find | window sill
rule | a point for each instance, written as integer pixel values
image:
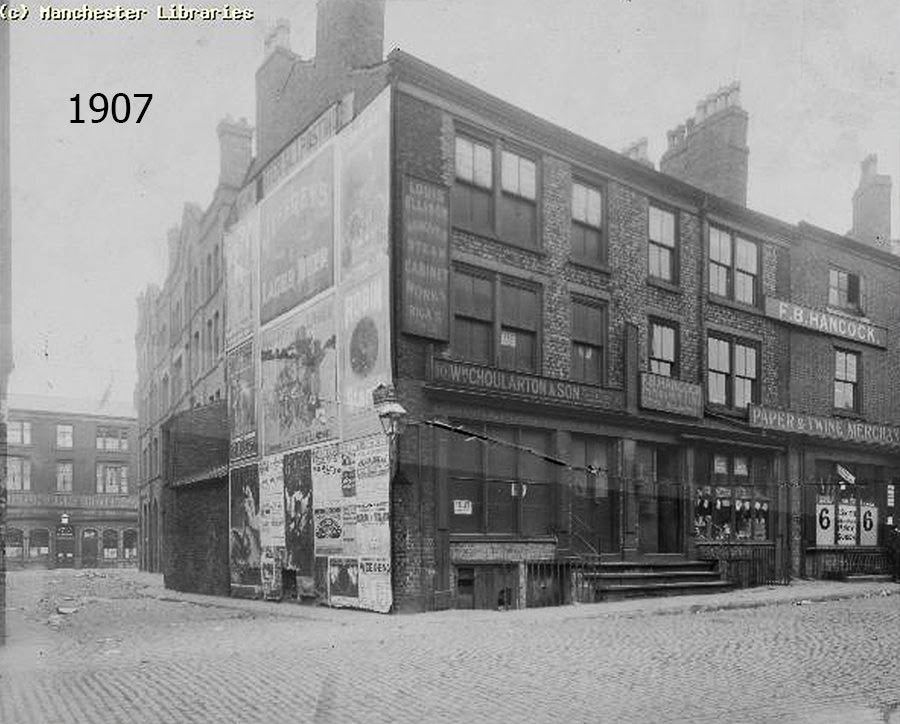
(663, 284)
(739, 306)
(591, 264)
(717, 409)
(847, 414)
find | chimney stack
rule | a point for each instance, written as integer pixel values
(710, 149)
(235, 150)
(637, 151)
(350, 33)
(872, 205)
(278, 37)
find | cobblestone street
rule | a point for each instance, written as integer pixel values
(134, 652)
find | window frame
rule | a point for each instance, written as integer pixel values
(495, 318)
(674, 250)
(24, 428)
(60, 466)
(71, 436)
(24, 472)
(856, 385)
(733, 340)
(846, 305)
(655, 321)
(576, 340)
(602, 259)
(122, 478)
(731, 269)
(496, 194)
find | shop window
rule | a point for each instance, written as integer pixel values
(846, 380)
(588, 240)
(18, 473)
(732, 372)
(13, 542)
(848, 497)
(129, 544)
(844, 290)
(733, 266)
(39, 543)
(64, 437)
(662, 247)
(499, 483)
(588, 337)
(64, 475)
(110, 545)
(663, 346)
(19, 433)
(736, 502)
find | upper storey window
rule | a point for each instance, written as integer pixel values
(506, 210)
(662, 245)
(733, 267)
(844, 290)
(588, 242)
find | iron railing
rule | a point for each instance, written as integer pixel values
(833, 563)
(746, 565)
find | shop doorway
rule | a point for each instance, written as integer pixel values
(65, 546)
(89, 548)
(659, 496)
(595, 498)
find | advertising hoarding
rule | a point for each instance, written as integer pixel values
(299, 379)
(241, 246)
(298, 516)
(245, 549)
(271, 502)
(296, 258)
(241, 375)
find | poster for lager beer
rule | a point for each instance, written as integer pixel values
(245, 549)
(241, 374)
(297, 238)
(241, 247)
(365, 188)
(299, 381)
(271, 502)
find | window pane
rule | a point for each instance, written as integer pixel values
(579, 203)
(594, 208)
(719, 246)
(743, 392)
(746, 256)
(744, 288)
(510, 172)
(851, 368)
(531, 466)
(501, 459)
(718, 279)
(662, 227)
(464, 159)
(717, 388)
(718, 355)
(528, 179)
(483, 166)
(501, 507)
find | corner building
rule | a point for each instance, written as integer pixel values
(593, 355)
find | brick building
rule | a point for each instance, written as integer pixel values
(180, 337)
(601, 363)
(70, 478)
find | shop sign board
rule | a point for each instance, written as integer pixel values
(670, 395)
(836, 428)
(532, 388)
(868, 528)
(836, 325)
(846, 524)
(825, 517)
(426, 259)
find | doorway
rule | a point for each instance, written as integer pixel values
(90, 553)
(659, 497)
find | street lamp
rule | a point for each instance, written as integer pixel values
(392, 416)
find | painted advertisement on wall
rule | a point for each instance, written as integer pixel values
(364, 310)
(365, 187)
(299, 532)
(296, 257)
(299, 379)
(245, 546)
(241, 246)
(241, 375)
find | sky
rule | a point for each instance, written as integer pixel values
(92, 202)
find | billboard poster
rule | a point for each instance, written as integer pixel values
(298, 515)
(825, 518)
(270, 572)
(241, 375)
(375, 584)
(299, 380)
(245, 549)
(343, 581)
(372, 464)
(326, 473)
(271, 502)
(868, 528)
(348, 528)
(846, 524)
(329, 531)
(297, 238)
(373, 529)
(365, 187)
(364, 351)
(241, 247)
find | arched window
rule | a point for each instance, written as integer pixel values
(13, 543)
(129, 544)
(110, 545)
(39, 543)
